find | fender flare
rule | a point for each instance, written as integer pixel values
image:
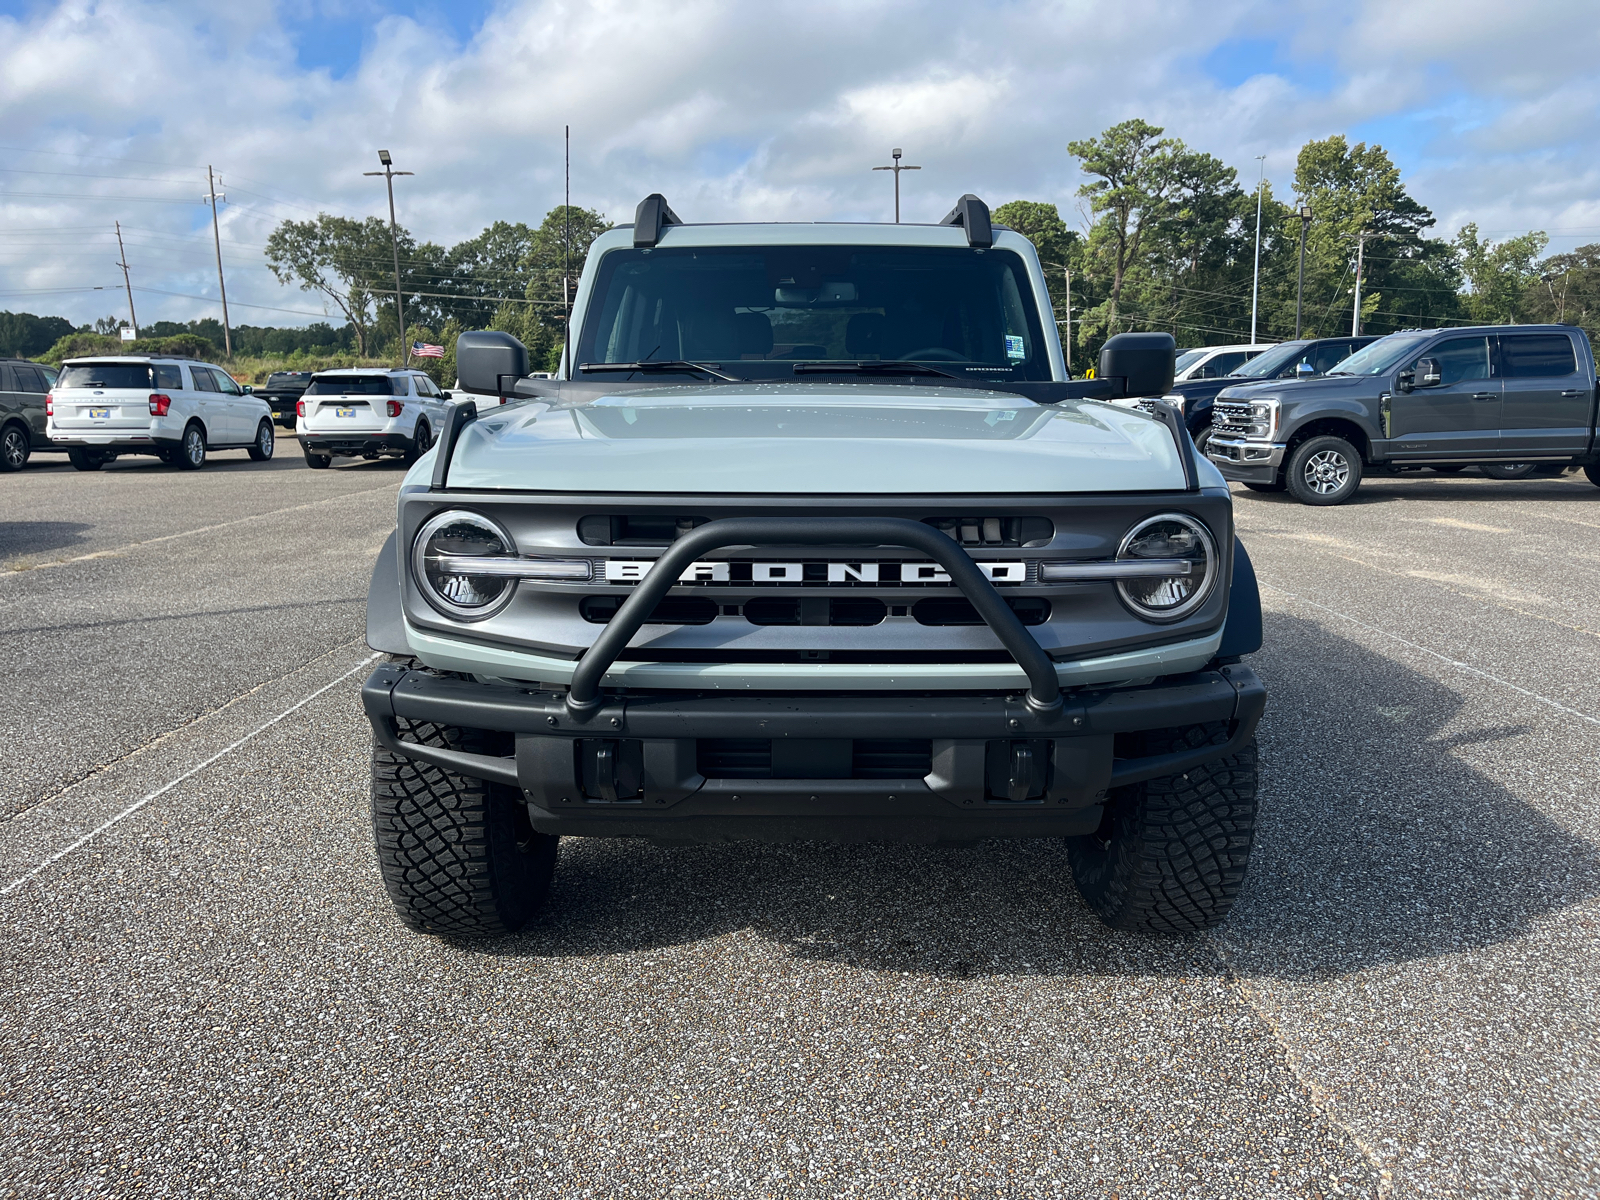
(1241, 632)
(386, 627)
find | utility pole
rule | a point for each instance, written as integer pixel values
(213, 196)
(566, 266)
(389, 173)
(1300, 285)
(1067, 271)
(896, 168)
(1355, 317)
(126, 281)
(1255, 286)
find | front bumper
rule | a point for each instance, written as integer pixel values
(1246, 462)
(649, 765)
(351, 444)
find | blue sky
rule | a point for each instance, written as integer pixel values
(735, 110)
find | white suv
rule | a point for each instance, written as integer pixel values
(368, 412)
(176, 409)
(1213, 362)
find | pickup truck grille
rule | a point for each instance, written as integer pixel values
(1231, 418)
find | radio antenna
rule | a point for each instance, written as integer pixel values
(566, 266)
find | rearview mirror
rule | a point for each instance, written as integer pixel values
(1428, 374)
(1142, 363)
(487, 360)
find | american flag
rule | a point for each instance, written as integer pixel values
(426, 350)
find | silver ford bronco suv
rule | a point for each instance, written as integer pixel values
(811, 537)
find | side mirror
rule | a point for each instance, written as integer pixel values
(1304, 371)
(485, 358)
(1142, 363)
(1428, 373)
(248, 389)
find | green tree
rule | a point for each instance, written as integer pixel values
(1408, 279)
(337, 257)
(1502, 275)
(24, 335)
(1567, 290)
(486, 269)
(558, 250)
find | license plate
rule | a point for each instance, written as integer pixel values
(344, 412)
(99, 414)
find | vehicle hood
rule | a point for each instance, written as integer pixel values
(816, 438)
(1299, 390)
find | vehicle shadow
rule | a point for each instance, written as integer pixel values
(1377, 845)
(1387, 489)
(21, 538)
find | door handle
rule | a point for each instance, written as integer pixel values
(1486, 395)
(1571, 392)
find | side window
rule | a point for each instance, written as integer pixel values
(1537, 355)
(1222, 364)
(225, 383)
(202, 379)
(1461, 359)
(8, 381)
(169, 376)
(1323, 358)
(29, 379)
(398, 382)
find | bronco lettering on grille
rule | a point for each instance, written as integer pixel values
(849, 574)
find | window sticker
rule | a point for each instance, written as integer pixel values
(1014, 346)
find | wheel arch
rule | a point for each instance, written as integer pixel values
(1332, 425)
(386, 627)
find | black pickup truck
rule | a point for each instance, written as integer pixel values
(282, 391)
(1510, 399)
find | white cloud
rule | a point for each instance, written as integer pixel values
(734, 111)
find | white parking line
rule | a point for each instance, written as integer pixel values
(169, 785)
(1444, 658)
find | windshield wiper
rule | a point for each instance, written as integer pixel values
(876, 367)
(658, 364)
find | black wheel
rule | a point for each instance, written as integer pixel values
(318, 462)
(1171, 853)
(458, 856)
(87, 460)
(420, 442)
(14, 448)
(1593, 472)
(266, 442)
(1505, 470)
(1450, 468)
(191, 455)
(1323, 470)
(1276, 486)
(1200, 440)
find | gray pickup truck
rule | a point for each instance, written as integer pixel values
(813, 538)
(1510, 399)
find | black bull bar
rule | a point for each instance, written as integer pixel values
(572, 750)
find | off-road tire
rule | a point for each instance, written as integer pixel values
(1277, 486)
(318, 462)
(266, 442)
(1342, 464)
(14, 448)
(421, 440)
(86, 460)
(1170, 854)
(1201, 437)
(458, 856)
(191, 452)
(1593, 473)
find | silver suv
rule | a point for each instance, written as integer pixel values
(813, 539)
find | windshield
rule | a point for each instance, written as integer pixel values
(1188, 359)
(105, 375)
(756, 311)
(1269, 363)
(287, 378)
(351, 385)
(1381, 356)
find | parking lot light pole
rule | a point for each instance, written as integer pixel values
(1355, 315)
(896, 168)
(1255, 284)
(388, 174)
(1300, 285)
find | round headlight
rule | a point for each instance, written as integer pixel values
(1175, 537)
(446, 539)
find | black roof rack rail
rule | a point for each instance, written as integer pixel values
(653, 215)
(972, 215)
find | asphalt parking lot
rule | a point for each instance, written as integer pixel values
(203, 990)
